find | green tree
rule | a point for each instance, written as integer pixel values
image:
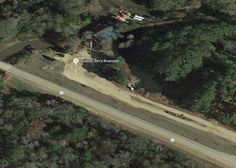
(227, 82)
(82, 110)
(164, 5)
(179, 52)
(8, 29)
(32, 18)
(1, 85)
(76, 134)
(204, 99)
(228, 119)
(16, 154)
(67, 7)
(222, 6)
(121, 77)
(64, 114)
(119, 64)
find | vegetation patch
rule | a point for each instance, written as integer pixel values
(41, 131)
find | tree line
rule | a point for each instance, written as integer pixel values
(31, 19)
(43, 131)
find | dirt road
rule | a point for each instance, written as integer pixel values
(123, 118)
(17, 46)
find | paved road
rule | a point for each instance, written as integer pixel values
(130, 121)
(81, 76)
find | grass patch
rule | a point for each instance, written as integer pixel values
(20, 85)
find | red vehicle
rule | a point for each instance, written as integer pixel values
(122, 15)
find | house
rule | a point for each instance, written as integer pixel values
(107, 34)
(122, 16)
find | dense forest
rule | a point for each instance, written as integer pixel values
(39, 131)
(192, 62)
(198, 52)
(222, 6)
(58, 20)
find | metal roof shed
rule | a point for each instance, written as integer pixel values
(107, 34)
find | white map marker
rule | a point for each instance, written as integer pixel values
(172, 139)
(61, 92)
(76, 60)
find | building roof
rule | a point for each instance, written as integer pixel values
(107, 34)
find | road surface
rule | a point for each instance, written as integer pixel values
(130, 121)
(79, 74)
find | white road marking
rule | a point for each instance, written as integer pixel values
(61, 92)
(172, 139)
(76, 60)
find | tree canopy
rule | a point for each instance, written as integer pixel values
(222, 6)
(164, 5)
(179, 52)
(27, 19)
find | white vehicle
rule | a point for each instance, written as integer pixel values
(138, 18)
(130, 87)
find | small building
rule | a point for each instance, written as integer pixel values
(125, 16)
(122, 15)
(107, 34)
(138, 18)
